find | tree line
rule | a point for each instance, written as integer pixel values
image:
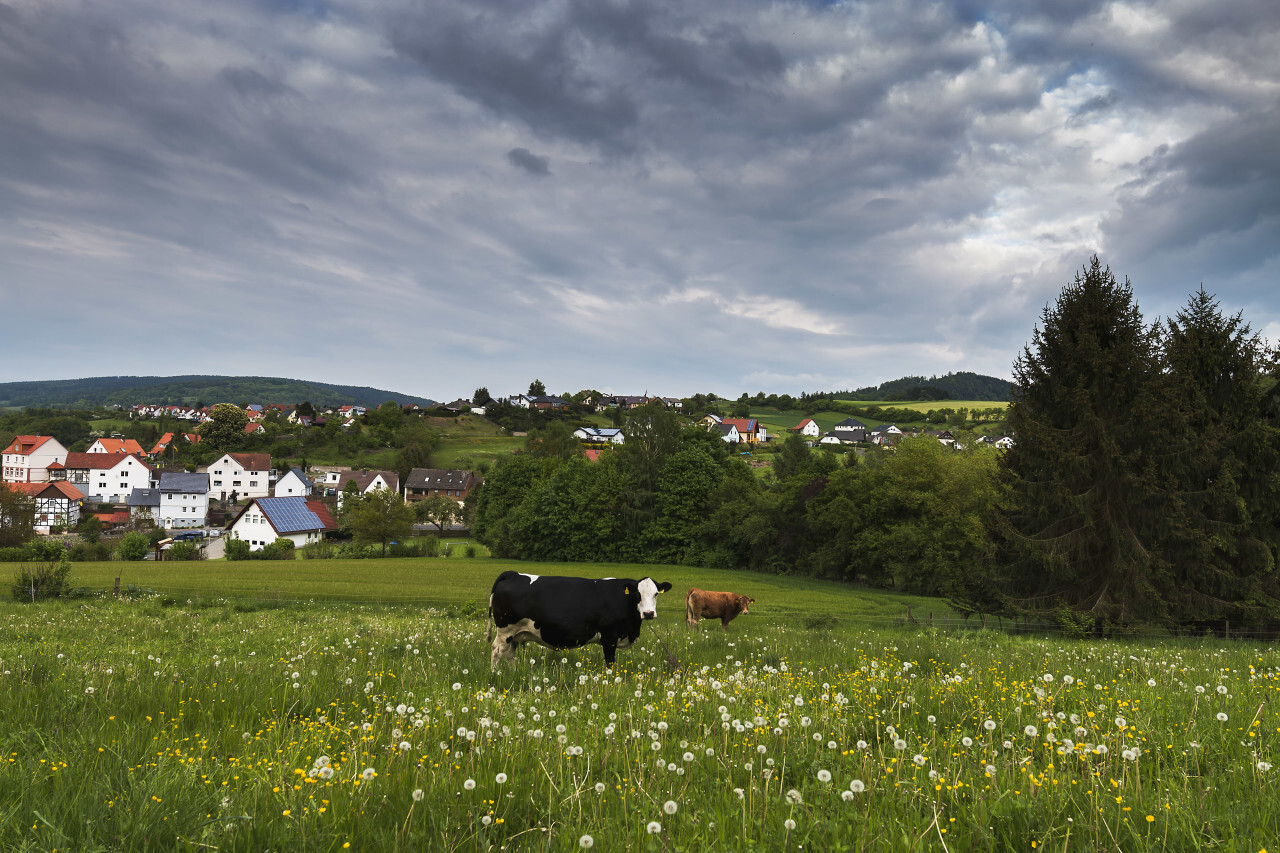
(1143, 487)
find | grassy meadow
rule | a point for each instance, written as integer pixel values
(162, 722)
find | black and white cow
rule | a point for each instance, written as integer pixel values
(565, 613)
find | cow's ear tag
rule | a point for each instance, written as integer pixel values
(626, 590)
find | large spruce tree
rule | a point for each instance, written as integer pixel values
(1218, 469)
(1077, 534)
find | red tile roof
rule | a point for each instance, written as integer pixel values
(25, 444)
(322, 513)
(253, 461)
(40, 490)
(120, 445)
(96, 461)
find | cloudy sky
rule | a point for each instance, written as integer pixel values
(629, 195)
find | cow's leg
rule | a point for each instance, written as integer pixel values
(610, 646)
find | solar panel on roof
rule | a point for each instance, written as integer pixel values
(289, 515)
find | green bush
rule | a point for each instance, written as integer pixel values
(322, 550)
(184, 551)
(44, 579)
(281, 549)
(87, 552)
(134, 546)
(237, 549)
(16, 554)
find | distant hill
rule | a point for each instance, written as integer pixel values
(189, 390)
(958, 386)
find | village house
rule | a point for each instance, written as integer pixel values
(264, 520)
(364, 482)
(807, 427)
(599, 435)
(57, 503)
(116, 445)
(423, 483)
(104, 477)
(249, 475)
(28, 457)
(184, 500)
(294, 483)
(851, 430)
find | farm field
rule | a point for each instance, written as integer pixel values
(158, 723)
(457, 581)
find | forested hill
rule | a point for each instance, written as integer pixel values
(189, 390)
(958, 386)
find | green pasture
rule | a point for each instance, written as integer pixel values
(158, 723)
(457, 581)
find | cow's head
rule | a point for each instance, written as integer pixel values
(744, 602)
(648, 590)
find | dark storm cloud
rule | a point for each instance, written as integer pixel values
(523, 158)
(877, 188)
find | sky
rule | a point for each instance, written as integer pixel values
(648, 196)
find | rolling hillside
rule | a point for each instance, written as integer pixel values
(189, 390)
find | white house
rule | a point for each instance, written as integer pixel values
(105, 477)
(264, 520)
(728, 433)
(808, 427)
(249, 475)
(184, 500)
(366, 482)
(28, 457)
(600, 435)
(294, 483)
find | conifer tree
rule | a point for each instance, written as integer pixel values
(1218, 471)
(1077, 533)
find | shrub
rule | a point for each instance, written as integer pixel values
(237, 549)
(46, 578)
(323, 550)
(16, 554)
(281, 549)
(86, 552)
(184, 551)
(134, 546)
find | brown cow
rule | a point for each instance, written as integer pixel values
(701, 604)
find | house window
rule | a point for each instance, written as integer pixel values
(253, 482)
(235, 482)
(217, 482)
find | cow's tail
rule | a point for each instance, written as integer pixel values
(689, 618)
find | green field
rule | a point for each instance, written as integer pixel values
(158, 723)
(457, 581)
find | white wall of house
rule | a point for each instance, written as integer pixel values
(290, 486)
(183, 509)
(226, 475)
(810, 429)
(111, 485)
(254, 528)
(33, 467)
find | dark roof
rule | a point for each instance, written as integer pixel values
(850, 423)
(438, 478)
(184, 482)
(144, 497)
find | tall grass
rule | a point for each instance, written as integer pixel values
(156, 724)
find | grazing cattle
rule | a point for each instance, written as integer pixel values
(565, 613)
(701, 604)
